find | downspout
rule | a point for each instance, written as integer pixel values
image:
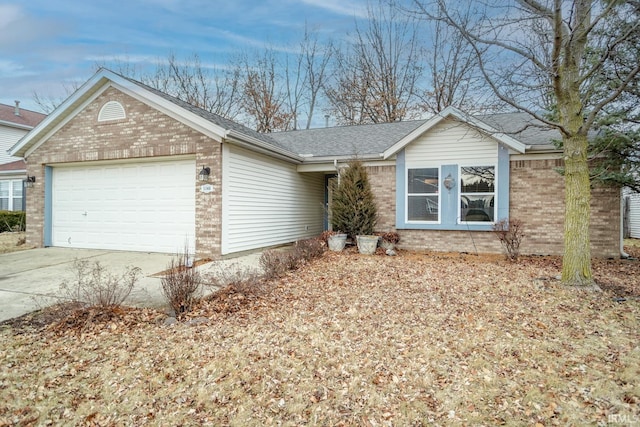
(623, 254)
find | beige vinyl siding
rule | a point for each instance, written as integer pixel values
(266, 202)
(634, 216)
(8, 137)
(452, 142)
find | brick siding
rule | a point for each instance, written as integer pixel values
(536, 198)
(145, 132)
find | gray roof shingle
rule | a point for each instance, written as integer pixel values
(358, 140)
(365, 140)
(523, 127)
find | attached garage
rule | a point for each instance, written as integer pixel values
(144, 206)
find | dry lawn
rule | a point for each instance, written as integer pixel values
(11, 242)
(418, 339)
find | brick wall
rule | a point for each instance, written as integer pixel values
(383, 184)
(145, 132)
(536, 198)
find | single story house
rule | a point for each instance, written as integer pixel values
(120, 165)
(15, 122)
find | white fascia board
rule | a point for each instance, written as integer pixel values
(462, 117)
(89, 91)
(167, 107)
(61, 114)
(331, 166)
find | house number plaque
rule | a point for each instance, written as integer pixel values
(206, 188)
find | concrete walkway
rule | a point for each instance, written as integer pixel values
(30, 280)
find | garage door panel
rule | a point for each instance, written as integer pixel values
(141, 207)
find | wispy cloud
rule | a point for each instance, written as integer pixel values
(339, 7)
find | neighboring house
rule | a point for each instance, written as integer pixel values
(633, 201)
(15, 122)
(119, 165)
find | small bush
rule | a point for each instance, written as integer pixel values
(309, 249)
(12, 221)
(353, 206)
(94, 286)
(390, 236)
(275, 263)
(182, 284)
(510, 233)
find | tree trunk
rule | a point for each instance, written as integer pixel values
(576, 263)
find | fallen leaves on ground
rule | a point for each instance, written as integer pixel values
(417, 339)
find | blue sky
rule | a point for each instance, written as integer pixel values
(45, 43)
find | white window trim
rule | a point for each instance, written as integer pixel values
(495, 192)
(406, 193)
(13, 183)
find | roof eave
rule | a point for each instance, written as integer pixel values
(15, 125)
(463, 117)
(255, 144)
(343, 158)
(542, 148)
(100, 82)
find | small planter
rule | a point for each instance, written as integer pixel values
(336, 242)
(367, 244)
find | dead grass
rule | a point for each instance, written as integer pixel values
(12, 242)
(418, 339)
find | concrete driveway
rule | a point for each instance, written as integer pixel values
(30, 280)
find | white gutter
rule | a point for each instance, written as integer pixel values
(15, 125)
(251, 143)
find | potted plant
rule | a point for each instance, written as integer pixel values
(335, 240)
(389, 240)
(353, 207)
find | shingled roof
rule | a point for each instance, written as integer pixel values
(212, 117)
(25, 118)
(358, 140)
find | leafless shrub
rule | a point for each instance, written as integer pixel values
(182, 283)
(510, 233)
(309, 249)
(275, 263)
(94, 286)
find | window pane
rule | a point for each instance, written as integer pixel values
(4, 195)
(423, 208)
(17, 204)
(17, 189)
(477, 208)
(480, 179)
(4, 189)
(423, 181)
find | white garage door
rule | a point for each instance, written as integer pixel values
(147, 207)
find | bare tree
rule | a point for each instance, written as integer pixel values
(212, 88)
(264, 99)
(48, 103)
(376, 79)
(316, 60)
(454, 79)
(533, 51)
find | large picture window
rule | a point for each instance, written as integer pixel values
(477, 193)
(422, 194)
